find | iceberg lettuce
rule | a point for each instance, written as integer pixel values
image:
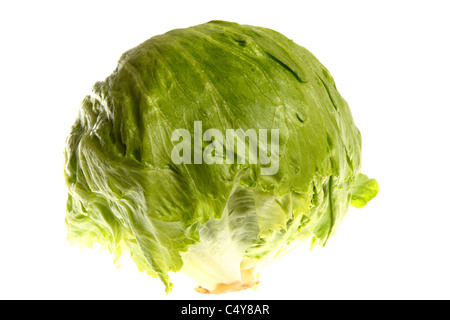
(144, 178)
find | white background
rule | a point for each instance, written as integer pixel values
(390, 60)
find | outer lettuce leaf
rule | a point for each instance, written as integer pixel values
(363, 190)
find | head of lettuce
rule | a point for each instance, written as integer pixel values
(211, 150)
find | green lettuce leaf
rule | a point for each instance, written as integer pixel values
(363, 190)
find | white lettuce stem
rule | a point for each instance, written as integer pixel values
(248, 280)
